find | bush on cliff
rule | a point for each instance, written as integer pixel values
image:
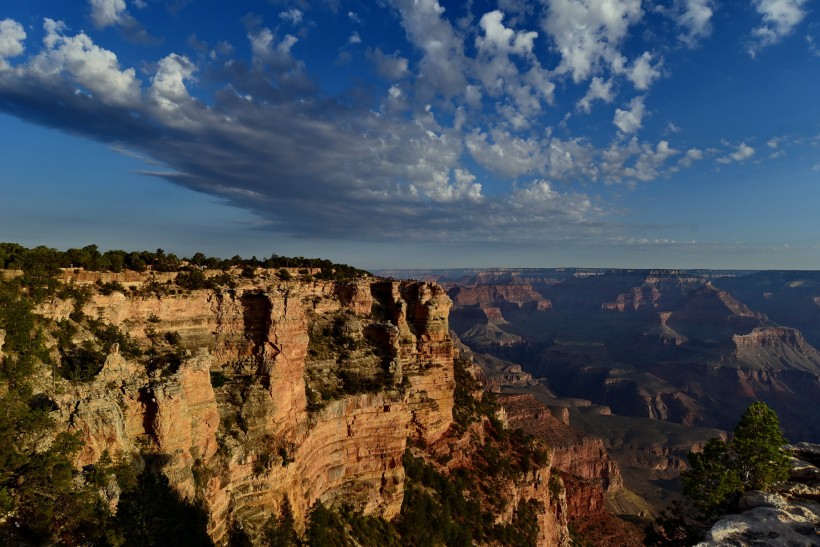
(754, 459)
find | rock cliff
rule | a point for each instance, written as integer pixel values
(790, 515)
(588, 476)
(275, 390)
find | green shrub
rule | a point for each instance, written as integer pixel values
(754, 459)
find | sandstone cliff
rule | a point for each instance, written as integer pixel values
(246, 418)
(588, 476)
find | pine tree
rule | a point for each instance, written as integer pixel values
(711, 479)
(758, 444)
(754, 459)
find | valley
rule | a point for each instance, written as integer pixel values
(654, 362)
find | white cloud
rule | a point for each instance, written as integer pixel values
(815, 167)
(774, 142)
(741, 153)
(642, 72)
(512, 156)
(588, 34)
(629, 121)
(168, 84)
(692, 155)
(498, 38)
(293, 15)
(539, 197)
(462, 187)
(392, 67)
(93, 68)
(266, 51)
(354, 17)
(12, 35)
(107, 13)
(634, 160)
(354, 38)
(779, 19)
(443, 65)
(672, 129)
(502, 77)
(695, 17)
(598, 90)
(505, 154)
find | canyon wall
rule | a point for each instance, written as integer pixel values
(258, 408)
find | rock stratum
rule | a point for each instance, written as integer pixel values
(256, 440)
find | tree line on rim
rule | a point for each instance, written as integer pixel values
(17, 257)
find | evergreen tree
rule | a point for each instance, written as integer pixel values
(758, 444)
(711, 479)
(754, 459)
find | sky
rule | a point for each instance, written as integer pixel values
(417, 133)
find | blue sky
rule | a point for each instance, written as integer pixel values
(417, 133)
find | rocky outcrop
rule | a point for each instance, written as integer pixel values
(489, 296)
(584, 472)
(790, 515)
(571, 451)
(232, 422)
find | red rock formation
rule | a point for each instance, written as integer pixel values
(257, 336)
(587, 473)
(488, 296)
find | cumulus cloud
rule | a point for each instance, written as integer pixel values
(540, 197)
(498, 38)
(629, 121)
(443, 66)
(634, 160)
(599, 90)
(741, 153)
(94, 69)
(692, 155)
(106, 13)
(12, 35)
(642, 72)
(168, 84)
(502, 76)
(695, 19)
(110, 13)
(588, 34)
(269, 51)
(780, 17)
(293, 16)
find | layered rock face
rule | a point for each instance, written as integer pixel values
(587, 474)
(259, 410)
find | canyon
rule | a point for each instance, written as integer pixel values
(563, 402)
(654, 362)
(284, 390)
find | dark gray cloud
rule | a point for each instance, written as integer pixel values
(270, 141)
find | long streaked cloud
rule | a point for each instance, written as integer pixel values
(464, 106)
